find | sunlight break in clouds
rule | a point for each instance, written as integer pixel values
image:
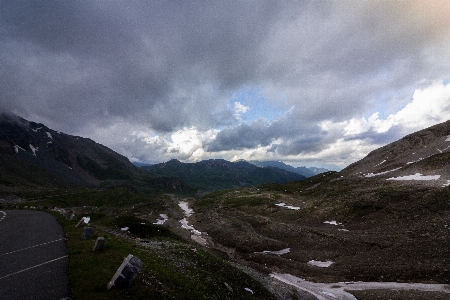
(429, 106)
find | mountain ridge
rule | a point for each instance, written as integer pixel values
(215, 174)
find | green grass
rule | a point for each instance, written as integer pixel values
(173, 268)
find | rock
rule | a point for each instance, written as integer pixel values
(126, 273)
(99, 244)
(88, 232)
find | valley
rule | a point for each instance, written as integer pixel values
(378, 229)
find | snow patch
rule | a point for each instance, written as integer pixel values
(86, 220)
(380, 163)
(163, 220)
(279, 252)
(184, 206)
(411, 162)
(17, 147)
(320, 264)
(282, 204)
(377, 174)
(416, 176)
(325, 291)
(185, 225)
(49, 135)
(332, 223)
(328, 294)
(33, 149)
(124, 228)
(249, 290)
(448, 138)
(446, 184)
(196, 235)
(36, 130)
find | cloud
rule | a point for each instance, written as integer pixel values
(137, 74)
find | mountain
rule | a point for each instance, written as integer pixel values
(304, 171)
(385, 218)
(219, 174)
(68, 159)
(33, 156)
(426, 152)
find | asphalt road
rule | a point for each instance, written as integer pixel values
(33, 256)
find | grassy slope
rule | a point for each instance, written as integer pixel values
(173, 269)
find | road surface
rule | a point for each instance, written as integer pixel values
(33, 256)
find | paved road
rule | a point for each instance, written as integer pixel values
(33, 256)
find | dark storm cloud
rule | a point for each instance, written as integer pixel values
(296, 136)
(145, 60)
(160, 66)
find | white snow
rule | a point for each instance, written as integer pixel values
(86, 220)
(124, 228)
(17, 147)
(381, 173)
(49, 135)
(249, 290)
(36, 130)
(446, 184)
(184, 206)
(332, 223)
(327, 291)
(161, 221)
(448, 138)
(279, 252)
(343, 230)
(282, 204)
(328, 294)
(185, 225)
(320, 264)
(380, 163)
(411, 162)
(33, 149)
(416, 176)
(196, 235)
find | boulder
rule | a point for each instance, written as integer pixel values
(87, 232)
(126, 273)
(99, 244)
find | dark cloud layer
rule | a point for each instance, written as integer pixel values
(161, 66)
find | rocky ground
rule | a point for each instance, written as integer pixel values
(380, 232)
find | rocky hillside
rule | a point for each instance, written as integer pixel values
(422, 157)
(69, 159)
(219, 174)
(385, 218)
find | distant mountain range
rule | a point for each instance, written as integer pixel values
(33, 157)
(304, 171)
(219, 174)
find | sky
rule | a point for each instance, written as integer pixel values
(314, 83)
